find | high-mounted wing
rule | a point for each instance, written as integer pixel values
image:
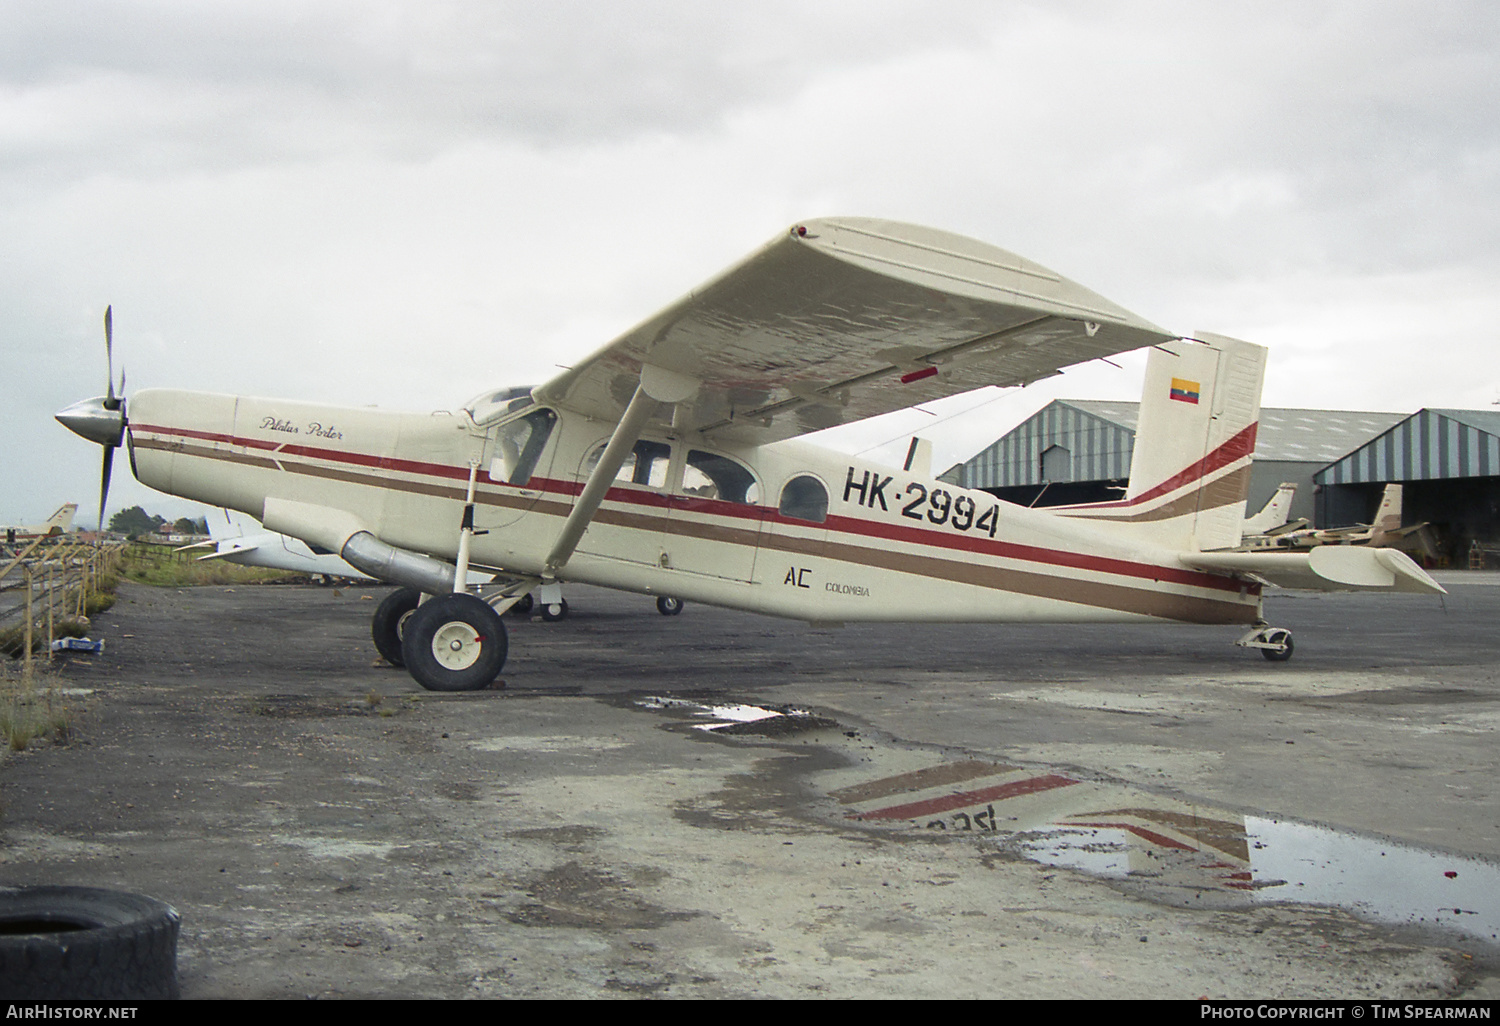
(846, 318)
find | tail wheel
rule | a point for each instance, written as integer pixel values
(454, 643)
(390, 620)
(1283, 638)
(555, 611)
(666, 605)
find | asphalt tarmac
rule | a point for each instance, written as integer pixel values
(722, 805)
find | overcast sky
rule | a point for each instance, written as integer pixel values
(401, 203)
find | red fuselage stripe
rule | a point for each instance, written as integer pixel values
(947, 539)
(1241, 445)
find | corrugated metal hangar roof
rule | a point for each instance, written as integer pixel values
(1100, 436)
(1428, 445)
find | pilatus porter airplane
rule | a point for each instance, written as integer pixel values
(669, 463)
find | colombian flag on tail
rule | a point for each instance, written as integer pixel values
(1185, 391)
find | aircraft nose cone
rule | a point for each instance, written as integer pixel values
(92, 419)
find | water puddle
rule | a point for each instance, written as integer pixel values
(726, 717)
(1170, 850)
(1182, 853)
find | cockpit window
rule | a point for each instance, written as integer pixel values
(519, 444)
(708, 475)
(491, 406)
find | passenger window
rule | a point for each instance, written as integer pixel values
(646, 465)
(804, 498)
(707, 475)
(518, 446)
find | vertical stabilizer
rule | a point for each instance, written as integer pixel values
(61, 521)
(1386, 528)
(1275, 513)
(1190, 472)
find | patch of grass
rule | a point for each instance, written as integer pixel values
(160, 567)
(13, 639)
(32, 708)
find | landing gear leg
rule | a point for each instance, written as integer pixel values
(554, 606)
(1275, 643)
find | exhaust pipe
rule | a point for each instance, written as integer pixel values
(369, 555)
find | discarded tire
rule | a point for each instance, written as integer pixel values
(86, 942)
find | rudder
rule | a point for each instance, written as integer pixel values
(1190, 470)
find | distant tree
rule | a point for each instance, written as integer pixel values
(185, 526)
(135, 521)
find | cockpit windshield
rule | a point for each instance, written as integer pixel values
(488, 407)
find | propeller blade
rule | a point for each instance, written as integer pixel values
(109, 463)
(109, 357)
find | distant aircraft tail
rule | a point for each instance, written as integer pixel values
(1276, 511)
(61, 521)
(1190, 473)
(1385, 529)
(220, 527)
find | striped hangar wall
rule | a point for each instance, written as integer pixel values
(1085, 446)
(1448, 462)
(1079, 451)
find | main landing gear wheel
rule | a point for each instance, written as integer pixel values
(523, 606)
(666, 605)
(555, 611)
(454, 643)
(390, 620)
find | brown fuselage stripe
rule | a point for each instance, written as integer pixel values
(1230, 488)
(871, 530)
(1121, 598)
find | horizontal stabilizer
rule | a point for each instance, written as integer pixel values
(1326, 568)
(232, 547)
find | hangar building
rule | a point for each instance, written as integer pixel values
(1448, 462)
(1079, 451)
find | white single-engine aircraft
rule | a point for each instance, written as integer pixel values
(58, 523)
(667, 463)
(233, 542)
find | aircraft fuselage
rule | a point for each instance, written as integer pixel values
(786, 529)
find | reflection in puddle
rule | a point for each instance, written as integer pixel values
(1183, 853)
(1169, 850)
(719, 716)
(1392, 882)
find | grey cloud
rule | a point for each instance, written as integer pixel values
(231, 82)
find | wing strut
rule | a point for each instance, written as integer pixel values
(657, 385)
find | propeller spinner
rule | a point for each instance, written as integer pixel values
(102, 418)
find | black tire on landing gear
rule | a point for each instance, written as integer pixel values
(523, 606)
(666, 605)
(454, 643)
(390, 620)
(555, 611)
(1284, 654)
(86, 943)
